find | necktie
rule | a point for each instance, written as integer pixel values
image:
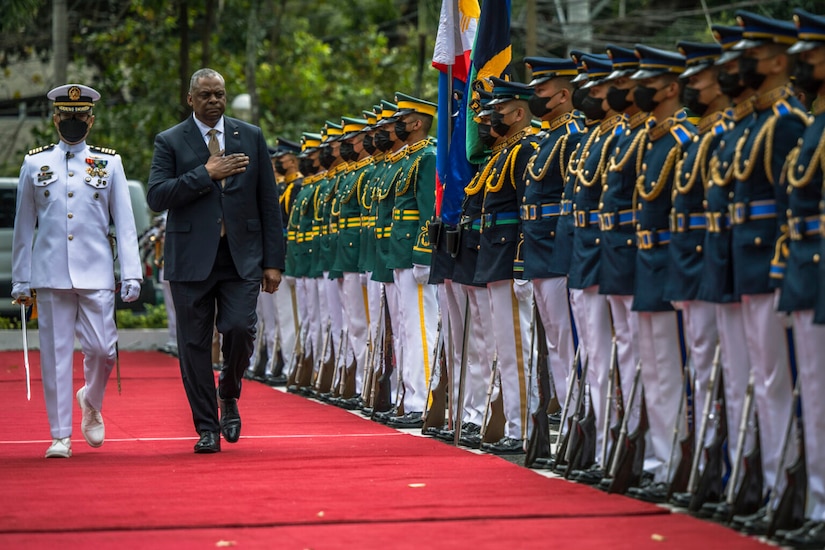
(215, 147)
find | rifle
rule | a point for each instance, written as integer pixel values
(748, 498)
(710, 485)
(538, 445)
(433, 416)
(564, 454)
(621, 465)
(679, 479)
(790, 512)
(323, 378)
(583, 453)
(462, 374)
(568, 399)
(381, 388)
(338, 374)
(297, 357)
(492, 425)
(368, 390)
(611, 381)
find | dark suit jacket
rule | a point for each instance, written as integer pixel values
(248, 203)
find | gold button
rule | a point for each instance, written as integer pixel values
(601, 205)
(757, 241)
(699, 248)
(71, 194)
(46, 193)
(552, 233)
(598, 241)
(71, 215)
(705, 204)
(71, 237)
(730, 195)
(408, 234)
(816, 258)
(71, 174)
(604, 187)
(629, 242)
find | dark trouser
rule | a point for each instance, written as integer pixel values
(195, 303)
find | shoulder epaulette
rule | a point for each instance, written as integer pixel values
(36, 150)
(104, 150)
(681, 133)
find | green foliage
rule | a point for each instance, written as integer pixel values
(155, 317)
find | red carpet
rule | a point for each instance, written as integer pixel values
(304, 474)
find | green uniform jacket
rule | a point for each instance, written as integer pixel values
(349, 216)
(383, 202)
(366, 259)
(414, 207)
(300, 231)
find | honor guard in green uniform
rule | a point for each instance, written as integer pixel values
(413, 179)
(562, 130)
(353, 292)
(760, 232)
(803, 278)
(668, 135)
(500, 238)
(300, 238)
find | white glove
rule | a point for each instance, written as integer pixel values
(421, 273)
(130, 290)
(523, 289)
(21, 292)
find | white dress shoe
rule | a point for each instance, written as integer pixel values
(60, 448)
(92, 423)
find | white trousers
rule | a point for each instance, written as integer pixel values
(626, 330)
(266, 330)
(171, 317)
(418, 309)
(479, 349)
(767, 348)
(592, 315)
(809, 341)
(508, 317)
(356, 321)
(662, 381)
(286, 301)
(62, 315)
(553, 305)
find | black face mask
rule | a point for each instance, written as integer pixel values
(382, 140)
(538, 104)
(485, 135)
(498, 125)
(578, 98)
(617, 99)
(643, 96)
(369, 146)
(401, 130)
(347, 152)
(307, 166)
(327, 157)
(690, 99)
(73, 130)
(804, 78)
(729, 84)
(592, 108)
(280, 168)
(748, 74)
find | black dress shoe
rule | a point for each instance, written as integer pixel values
(554, 419)
(681, 500)
(504, 446)
(432, 431)
(472, 441)
(275, 380)
(739, 521)
(409, 420)
(210, 442)
(591, 476)
(810, 535)
(544, 463)
(655, 492)
(230, 419)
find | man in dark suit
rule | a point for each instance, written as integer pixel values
(224, 243)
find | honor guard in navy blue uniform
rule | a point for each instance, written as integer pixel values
(716, 283)
(562, 130)
(68, 193)
(617, 221)
(668, 135)
(590, 309)
(759, 229)
(802, 281)
(463, 245)
(500, 238)
(703, 97)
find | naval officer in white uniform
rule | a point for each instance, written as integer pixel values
(69, 192)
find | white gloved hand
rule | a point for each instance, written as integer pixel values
(130, 290)
(523, 289)
(421, 273)
(21, 292)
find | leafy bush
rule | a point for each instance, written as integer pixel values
(155, 317)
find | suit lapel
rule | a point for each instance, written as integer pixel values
(193, 137)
